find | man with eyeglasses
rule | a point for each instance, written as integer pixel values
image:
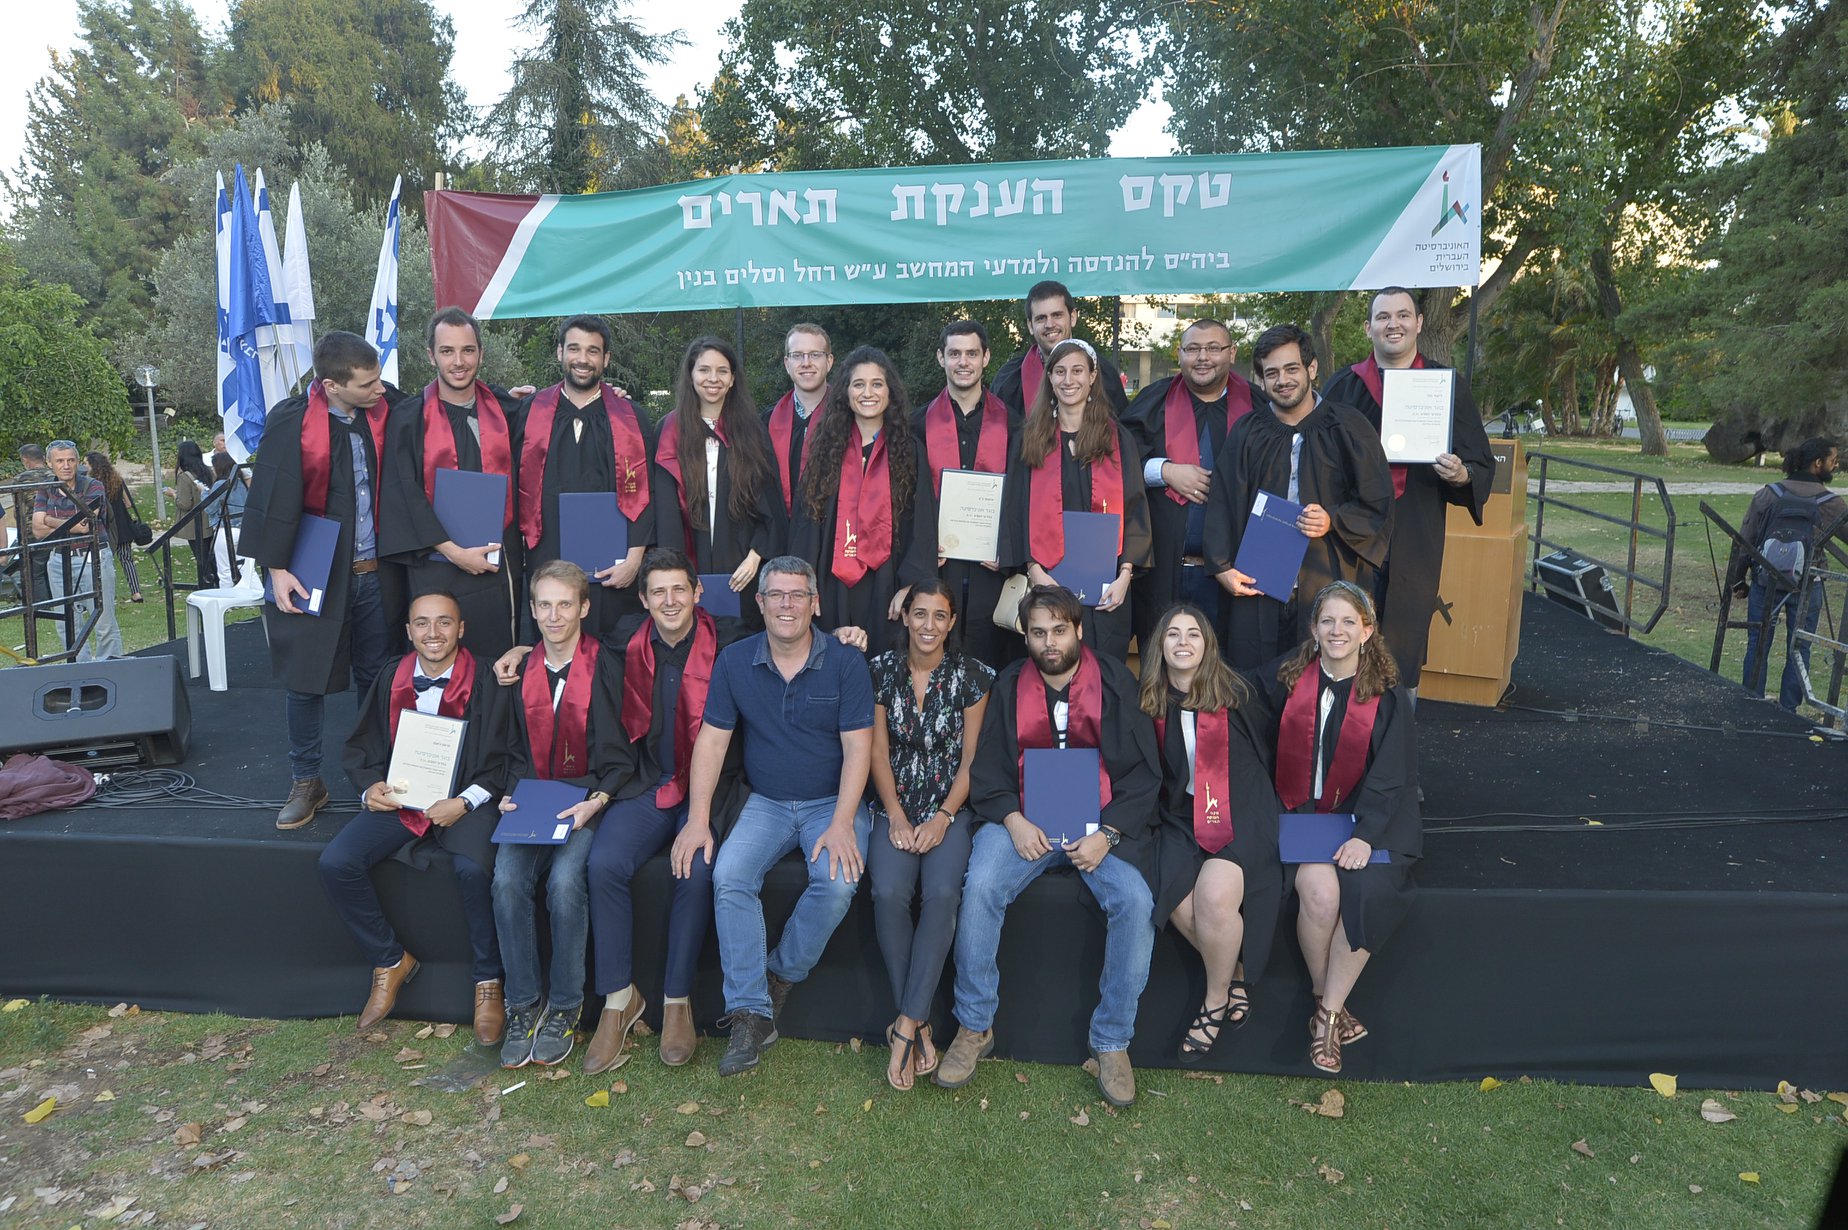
(1052, 313)
(1180, 424)
(69, 563)
(808, 357)
(804, 705)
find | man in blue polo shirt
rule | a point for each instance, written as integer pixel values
(804, 703)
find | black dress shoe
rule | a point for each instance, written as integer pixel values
(305, 798)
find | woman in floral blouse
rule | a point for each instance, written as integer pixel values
(928, 699)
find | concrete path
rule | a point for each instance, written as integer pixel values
(1567, 487)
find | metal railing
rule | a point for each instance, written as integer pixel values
(163, 545)
(34, 607)
(1631, 570)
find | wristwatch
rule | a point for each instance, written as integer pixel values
(1110, 835)
(600, 798)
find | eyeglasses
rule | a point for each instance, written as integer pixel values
(786, 597)
(805, 356)
(1211, 350)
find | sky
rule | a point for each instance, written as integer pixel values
(483, 35)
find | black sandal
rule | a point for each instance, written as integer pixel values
(1238, 1003)
(1208, 1022)
(907, 1058)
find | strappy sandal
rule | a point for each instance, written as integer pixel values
(906, 1059)
(1352, 1030)
(1238, 1003)
(1207, 1023)
(1325, 1043)
(936, 1056)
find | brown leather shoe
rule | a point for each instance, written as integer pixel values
(678, 1038)
(956, 1066)
(386, 981)
(305, 799)
(490, 1013)
(1116, 1080)
(609, 1048)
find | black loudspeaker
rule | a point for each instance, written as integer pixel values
(1580, 585)
(122, 713)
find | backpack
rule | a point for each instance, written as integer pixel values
(1789, 530)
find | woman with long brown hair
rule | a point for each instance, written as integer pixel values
(853, 517)
(715, 453)
(1345, 746)
(1096, 469)
(121, 519)
(1219, 883)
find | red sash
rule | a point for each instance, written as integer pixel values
(945, 451)
(318, 453)
(439, 441)
(1183, 433)
(1084, 714)
(562, 751)
(1212, 771)
(1368, 369)
(865, 496)
(783, 432)
(1296, 746)
(456, 690)
(631, 458)
(689, 708)
(1032, 373)
(1046, 499)
(667, 456)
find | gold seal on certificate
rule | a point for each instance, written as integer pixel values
(424, 758)
(969, 516)
(1415, 413)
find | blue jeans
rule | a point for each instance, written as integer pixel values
(997, 875)
(369, 648)
(70, 577)
(346, 866)
(630, 833)
(567, 904)
(766, 830)
(1762, 601)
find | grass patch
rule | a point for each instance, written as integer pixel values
(304, 1123)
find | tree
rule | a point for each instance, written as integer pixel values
(366, 79)
(55, 379)
(579, 116)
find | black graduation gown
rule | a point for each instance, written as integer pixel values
(785, 515)
(1416, 557)
(1342, 468)
(1006, 385)
(1375, 899)
(1127, 751)
(308, 653)
(585, 465)
(732, 790)
(977, 589)
(1253, 808)
(723, 546)
(484, 753)
(862, 605)
(1105, 632)
(1159, 588)
(612, 756)
(409, 529)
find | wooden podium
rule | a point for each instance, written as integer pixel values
(1476, 629)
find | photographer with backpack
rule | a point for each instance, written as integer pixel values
(1783, 522)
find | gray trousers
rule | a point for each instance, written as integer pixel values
(914, 952)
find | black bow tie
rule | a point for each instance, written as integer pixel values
(424, 683)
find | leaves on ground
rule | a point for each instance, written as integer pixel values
(41, 1112)
(1713, 1112)
(1579, 1146)
(510, 1216)
(1489, 1084)
(1663, 1083)
(1748, 1176)
(1330, 1173)
(598, 1100)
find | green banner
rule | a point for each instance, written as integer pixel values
(1320, 220)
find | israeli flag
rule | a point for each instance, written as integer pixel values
(382, 316)
(274, 352)
(298, 289)
(249, 307)
(228, 411)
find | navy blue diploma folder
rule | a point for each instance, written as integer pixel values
(717, 598)
(1060, 791)
(592, 532)
(1271, 551)
(1313, 837)
(534, 821)
(472, 508)
(1090, 561)
(311, 559)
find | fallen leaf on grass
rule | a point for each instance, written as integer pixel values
(695, 1139)
(1580, 1147)
(692, 1108)
(500, 1186)
(1330, 1173)
(1695, 1188)
(14, 1005)
(1807, 1096)
(1786, 1092)
(96, 1034)
(556, 1074)
(41, 1112)
(1082, 1118)
(1789, 1108)
(599, 1099)
(1023, 1116)
(1839, 1097)
(1021, 1077)
(1333, 1104)
(510, 1216)
(866, 1105)
(854, 1044)
(119, 1010)
(321, 1069)
(407, 1055)
(107, 1095)
(416, 1118)
(1489, 1084)
(188, 1134)
(446, 1030)
(1663, 1083)
(519, 1160)
(1748, 1176)
(378, 1035)
(115, 1208)
(234, 1123)
(425, 1032)
(619, 1087)
(1713, 1112)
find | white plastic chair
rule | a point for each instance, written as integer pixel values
(205, 614)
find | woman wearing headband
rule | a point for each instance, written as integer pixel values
(1345, 745)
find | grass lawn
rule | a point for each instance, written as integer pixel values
(226, 1122)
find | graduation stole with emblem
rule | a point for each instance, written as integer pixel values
(318, 452)
(1183, 434)
(943, 448)
(456, 691)
(1046, 498)
(439, 441)
(1368, 369)
(1296, 746)
(1212, 771)
(862, 512)
(563, 734)
(638, 677)
(1084, 714)
(626, 438)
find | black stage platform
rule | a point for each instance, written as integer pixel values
(1700, 929)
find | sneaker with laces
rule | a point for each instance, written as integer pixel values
(556, 1035)
(750, 1034)
(517, 1049)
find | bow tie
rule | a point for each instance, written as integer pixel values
(424, 683)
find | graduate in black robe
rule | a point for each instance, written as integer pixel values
(1329, 457)
(1051, 313)
(808, 358)
(475, 414)
(1344, 675)
(578, 453)
(1425, 491)
(839, 544)
(983, 431)
(1216, 398)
